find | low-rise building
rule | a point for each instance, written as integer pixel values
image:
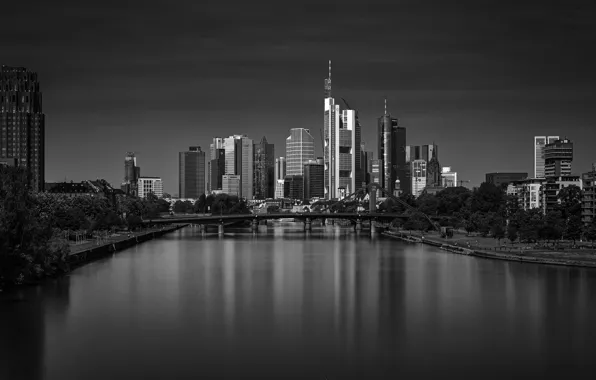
(501, 179)
(551, 188)
(529, 192)
(149, 185)
(448, 178)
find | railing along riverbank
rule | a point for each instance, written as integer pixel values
(85, 253)
(569, 258)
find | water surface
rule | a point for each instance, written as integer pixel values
(331, 305)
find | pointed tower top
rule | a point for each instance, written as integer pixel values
(329, 70)
(328, 83)
(385, 105)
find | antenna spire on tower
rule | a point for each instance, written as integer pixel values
(328, 83)
(385, 105)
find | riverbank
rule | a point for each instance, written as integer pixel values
(480, 247)
(81, 254)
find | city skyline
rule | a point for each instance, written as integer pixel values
(487, 94)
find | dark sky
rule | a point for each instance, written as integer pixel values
(480, 78)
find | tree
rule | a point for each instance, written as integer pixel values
(428, 204)
(29, 248)
(590, 232)
(512, 233)
(417, 222)
(452, 200)
(573, 228)
(487, 197)
(570, 198)
(200, 204)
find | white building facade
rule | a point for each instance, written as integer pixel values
(418, 177)
(448, 178)
(148, 185)
(300, 148)
(539, 144)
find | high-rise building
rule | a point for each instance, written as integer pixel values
(132, 173)
(448, 178)
(418, 177)
(294, 187)
(539, 144)
(214, 148)
(239, 158)
(367, 157)
(22, 123)
(376, 173)
(589, 196)
(300, 148)
(149, 185)
(392, 150)
(264, 174)
(231, 184)
(217, 168)
(280, 175)
(502, 179)
(557, 158)
(191, 170)
(341, 150)
(314, 174)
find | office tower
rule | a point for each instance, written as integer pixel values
(300, 148)
(418, 176)
(264, 176)
(149, 185)
(280, 175)
(231, 184)
(191, 170)
(341, 150)
(214, 148)
(539, 144)
(294, 187)
(557, 158)
(589, 196)
(392, 150)
(367, 157)
(314, 174)
(217, 168)
(376, 173)
(238, 159)
(132, 173)
(502, 179)
(448, 178)
(22, 123)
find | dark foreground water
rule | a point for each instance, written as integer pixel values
(282, 306)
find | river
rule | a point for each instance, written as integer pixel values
(331, 305)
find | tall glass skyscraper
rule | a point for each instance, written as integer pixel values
(22, 123)
(239, 161)
(539, 144)
(280, 175)
(264, 161)
(341, 147)
(191, 170)
(392, 150)
(300, 148)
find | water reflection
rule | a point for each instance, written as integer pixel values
(334, 305)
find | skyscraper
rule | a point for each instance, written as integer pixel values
(264, 162)
(217, 168)
(557, 158)
(300, 148)
(214, 153)
(280, 175)
(132, 173)
(191, 172)
(239, 161)
(313, 179)
(341, 150)
(392, 150)
(539, 144)
(426, 154)
(22, 123)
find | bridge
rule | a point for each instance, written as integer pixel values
(327, 212)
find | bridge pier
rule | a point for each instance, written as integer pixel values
(373, 228)
(255, 225)
(358, 225)
(220, 228)
(307, 225)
